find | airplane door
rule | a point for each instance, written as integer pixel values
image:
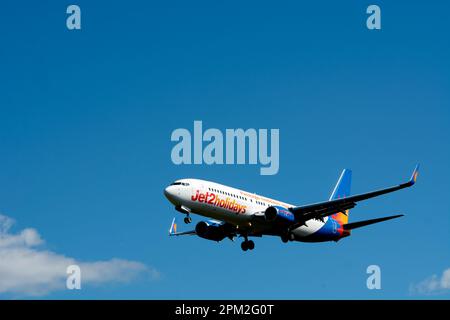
(188, 191)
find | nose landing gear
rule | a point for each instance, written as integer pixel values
(187, 219)
(186, 211)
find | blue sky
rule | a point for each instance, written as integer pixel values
(86, 118)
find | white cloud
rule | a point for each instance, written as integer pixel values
(27, 269)
(433, 284)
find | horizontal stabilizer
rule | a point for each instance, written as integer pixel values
(359, 224)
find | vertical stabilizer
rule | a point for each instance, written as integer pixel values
(342, 190)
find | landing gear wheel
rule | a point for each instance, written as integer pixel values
(187, 220)
(291, 236)
(247, 245)
(284, 238)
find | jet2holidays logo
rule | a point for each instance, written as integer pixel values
(235, 146)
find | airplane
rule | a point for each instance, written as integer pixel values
(235, 212)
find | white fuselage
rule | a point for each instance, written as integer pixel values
(228, 204)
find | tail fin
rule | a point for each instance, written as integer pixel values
(342, 190)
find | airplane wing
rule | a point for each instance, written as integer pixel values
(327, 208)
(173, 230)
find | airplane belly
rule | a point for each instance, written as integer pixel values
(312, 227)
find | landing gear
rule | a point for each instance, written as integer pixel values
(187, 219)
(186, 211)
(247, 245)
(287, 237)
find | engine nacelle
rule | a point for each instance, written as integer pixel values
(279, 213)
(215, 232)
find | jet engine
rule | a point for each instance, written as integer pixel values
(277, 213)
(209, 231)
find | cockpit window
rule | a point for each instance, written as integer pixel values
(179, 184)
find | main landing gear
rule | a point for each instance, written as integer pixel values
(288, 237)
(247, 245)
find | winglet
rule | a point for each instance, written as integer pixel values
(414, 175)
(173, 228)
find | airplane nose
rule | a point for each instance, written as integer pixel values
(171, 194)
(167, 192)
